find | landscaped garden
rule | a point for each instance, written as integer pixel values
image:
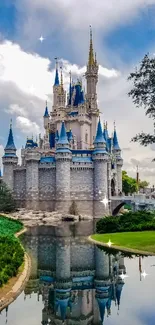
(131, 230)
(11, 252)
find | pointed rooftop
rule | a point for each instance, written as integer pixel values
(46, 114)
(115, 140)
(99, 134)
(56, 83)
(102, 305)
(10, 143)
(63, 135)
(57, 135)
(91, 60)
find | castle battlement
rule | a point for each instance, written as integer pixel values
(75, 159)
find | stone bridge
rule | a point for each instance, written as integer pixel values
(138, 202)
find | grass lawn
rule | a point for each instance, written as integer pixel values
(142, 240)
(9, 227)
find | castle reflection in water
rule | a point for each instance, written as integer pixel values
(78, 282)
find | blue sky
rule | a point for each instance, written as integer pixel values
(123, 31)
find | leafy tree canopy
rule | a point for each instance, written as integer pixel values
(143, 94)
(129, 184)
(143, 184)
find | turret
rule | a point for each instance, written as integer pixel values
(10, 160)
(56, 87)
(119, 160)
(100, 157)
(46, 117)
(91, 95)
(63, 159)
(32, 158)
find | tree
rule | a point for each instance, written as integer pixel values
(143, 184)
(143, 94)
(7, 203)
(129, 184)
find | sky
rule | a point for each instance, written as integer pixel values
(123, 32)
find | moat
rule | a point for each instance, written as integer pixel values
(75, 282)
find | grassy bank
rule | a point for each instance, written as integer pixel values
(142, 240)
(11, 252)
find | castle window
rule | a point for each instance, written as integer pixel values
(86, 137)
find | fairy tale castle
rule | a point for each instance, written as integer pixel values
(74, 160)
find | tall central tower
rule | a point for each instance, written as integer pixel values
(91, 96)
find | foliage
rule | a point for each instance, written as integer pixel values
(143, 94)
(143, 184)
(7, 203)
(129, 184)
(130, 221)
(11, 257)
(9, 226)
(73, 209)
(11, 252)
(144, 240)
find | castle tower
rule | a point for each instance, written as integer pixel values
(91, 95)
(10, 160)
(32, 159)
(102, 280)
(63, 158)
(100, 157)
(63, 266)
(119, 160)
(56, 88)
(46, 118)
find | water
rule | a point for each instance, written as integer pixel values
(83, 285)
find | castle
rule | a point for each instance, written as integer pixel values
(75, 160)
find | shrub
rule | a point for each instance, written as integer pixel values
(11, 257)
(131, 221)
(7, 203)
(73, 209)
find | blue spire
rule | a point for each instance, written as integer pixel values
(115, 140)
(10, 144)
(102, 304)
(46, 114)
(119, 287)
(0, 173)
(57, 135)
(70, 90)
(99, 134)
(81, 99)
(63, 136)
(70, 135)
(56, 83)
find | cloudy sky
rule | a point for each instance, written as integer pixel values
(123, 32)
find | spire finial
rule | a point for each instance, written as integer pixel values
(114, 126)
(106, 125)
(91, 52)
(56, 73)
(11, 123)
(46, 103)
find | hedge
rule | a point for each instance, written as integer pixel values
(130, 221)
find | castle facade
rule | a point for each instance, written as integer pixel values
(75, 160)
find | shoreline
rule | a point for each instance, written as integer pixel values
(18, 283)
(120, 248)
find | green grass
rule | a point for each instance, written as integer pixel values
(9, 227)
(142, 240)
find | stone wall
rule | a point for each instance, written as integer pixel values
(19, 184)
(84, 254)
(81, 183)
(47, 183)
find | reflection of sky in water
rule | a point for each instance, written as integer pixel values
(136, 307)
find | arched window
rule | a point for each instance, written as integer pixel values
(86, 137)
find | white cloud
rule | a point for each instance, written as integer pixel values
(26, 126)
(80, 15)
